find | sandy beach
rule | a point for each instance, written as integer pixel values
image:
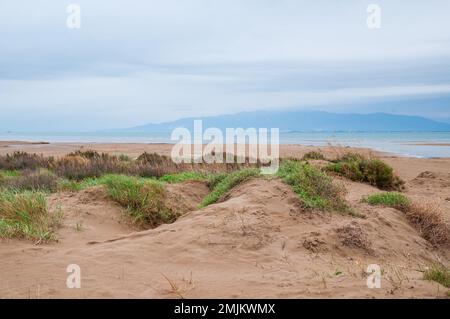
(257, 242)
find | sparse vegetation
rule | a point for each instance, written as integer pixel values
(25, 215)
(313, 186)
(368, 170)
(389, 199)
(438, 273)
(143, 198)
(222, 184)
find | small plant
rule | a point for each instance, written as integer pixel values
(438, 273)
(222, 186)
(25, 215)
(79, 226)
(144, 199)
(313, 155)
(389, 199)
(313, 186)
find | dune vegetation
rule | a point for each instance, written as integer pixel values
(367, 170)
(426, 217)
(25, 215)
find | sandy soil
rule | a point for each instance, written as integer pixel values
(257, 242)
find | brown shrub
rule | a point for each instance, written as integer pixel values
(40, 180)
(428, 220)
(23, 160)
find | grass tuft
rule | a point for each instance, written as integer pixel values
(143, 198)
(438, 273)
(221, 184)
(25, 215)
(314, 187)
(389, 199)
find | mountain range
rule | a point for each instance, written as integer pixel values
(305, 121)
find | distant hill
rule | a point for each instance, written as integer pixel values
(305, 121)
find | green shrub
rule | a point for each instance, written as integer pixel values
(390, 199)
(224, 183)
(438, 273)
(25, 215)
(144, 199)
(313, 186)
(373, 171)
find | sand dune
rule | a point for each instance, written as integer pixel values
(258, 242)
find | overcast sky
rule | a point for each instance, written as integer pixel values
(134, 62)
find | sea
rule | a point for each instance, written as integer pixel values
(412, 144)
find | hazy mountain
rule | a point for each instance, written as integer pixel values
(305, 121)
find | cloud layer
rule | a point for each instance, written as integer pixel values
(134, 62)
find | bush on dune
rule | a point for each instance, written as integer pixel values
(144, 199)
(313, 186)
(25, 215)
(361, 169)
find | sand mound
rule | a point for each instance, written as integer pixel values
(258, 242)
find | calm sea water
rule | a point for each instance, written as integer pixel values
(400, 143)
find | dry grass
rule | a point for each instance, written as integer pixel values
(427, 218)
(352, 235)
(33, 180)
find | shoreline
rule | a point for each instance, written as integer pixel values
(137, 148)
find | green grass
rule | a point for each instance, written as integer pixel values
(223, 183)
(389, 199)
(183, 176)
(143, 198)
(25, 215)
(9, 173)
(438, 273)
(368, 170)
(76, 186)
(313, 186)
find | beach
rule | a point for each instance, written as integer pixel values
(256, 242)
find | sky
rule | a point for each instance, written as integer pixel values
(133, 62)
